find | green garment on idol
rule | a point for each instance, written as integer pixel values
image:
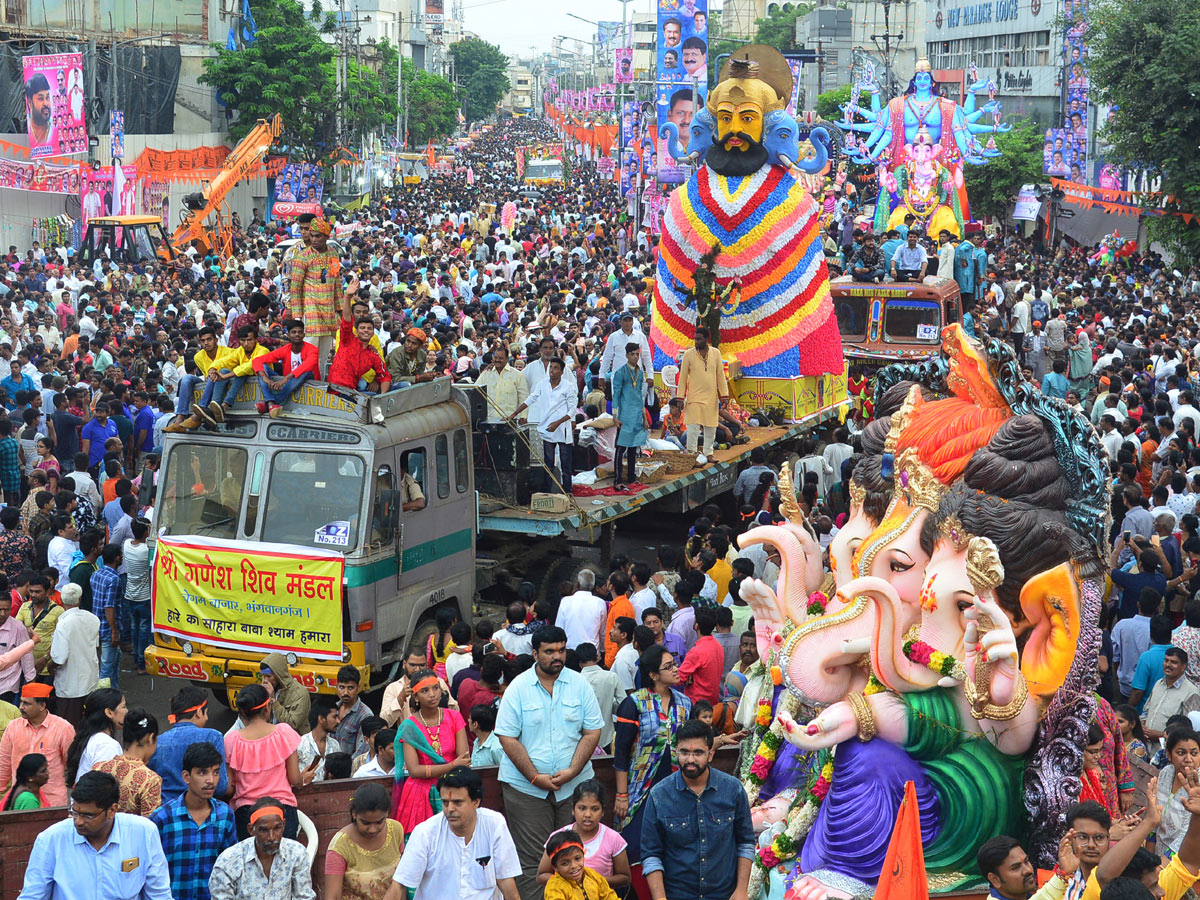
(979, 787)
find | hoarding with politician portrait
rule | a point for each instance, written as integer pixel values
(676, 104)
(623, 65)
(54, 104)
(106, 192)
(682, 41)
(300, 183)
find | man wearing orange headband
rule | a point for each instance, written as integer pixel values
(189, 713)
(266, 865)
(37, 731)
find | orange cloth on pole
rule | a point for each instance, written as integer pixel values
(903, 876)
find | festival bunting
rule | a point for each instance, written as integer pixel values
(39, 176)
(1121, 203)
(273, 599)
(167, 162)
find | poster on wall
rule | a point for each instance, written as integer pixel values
(676, 103)
(300, 183)
(116, 133)
(156, 198)
(682, 40)
(42, 177)
(1065, 150)
(623, 67)
(100, 189)
(54, 104)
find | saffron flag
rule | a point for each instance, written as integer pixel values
(903, 876)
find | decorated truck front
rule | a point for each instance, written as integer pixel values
(292, 535)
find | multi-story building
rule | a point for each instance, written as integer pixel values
(1012, 42)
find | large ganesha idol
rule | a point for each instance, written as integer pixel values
(954, 644)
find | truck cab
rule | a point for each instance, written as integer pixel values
(543, 171)
(329, 473)
(886, 322)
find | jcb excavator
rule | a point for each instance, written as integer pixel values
(245, 157)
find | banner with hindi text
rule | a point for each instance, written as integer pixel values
(249, 596)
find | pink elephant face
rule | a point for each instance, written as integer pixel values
(893, 552)
(857, 529)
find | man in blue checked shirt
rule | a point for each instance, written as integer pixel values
(106, 604)
(195, 828)
(97, 853)
(697, 838)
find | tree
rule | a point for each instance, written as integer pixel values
(1139, 54)
(479, 73)
(778, 29)
(287, 70)
(432, 107)
(830, 103)
(991, 188)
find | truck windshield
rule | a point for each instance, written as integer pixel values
(851, 315)
(203, 490)
(314, 499)
(552, 169)
(912, 321)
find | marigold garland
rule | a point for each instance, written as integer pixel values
(800, 819)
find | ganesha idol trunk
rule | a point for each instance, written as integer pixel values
(778, 331)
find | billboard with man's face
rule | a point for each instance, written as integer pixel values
(682, 41)
(677, 105)
(55, 104)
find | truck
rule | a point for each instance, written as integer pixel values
(886, 322)
(331, 472)
(544, 171)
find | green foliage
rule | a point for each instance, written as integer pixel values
(778, 29)
(287, 70)
(480, 74)
(290, 70)
(1139, 63)
(991, 188)
(830, 103)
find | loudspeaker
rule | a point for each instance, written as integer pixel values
(512, 487)
(477, 395)
(499, 449)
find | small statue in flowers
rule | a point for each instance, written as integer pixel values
(769, 817)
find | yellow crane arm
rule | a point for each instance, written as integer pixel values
(238, 164)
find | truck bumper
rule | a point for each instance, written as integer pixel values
(231, 671)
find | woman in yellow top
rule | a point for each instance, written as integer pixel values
(363, 856)
(572, 879)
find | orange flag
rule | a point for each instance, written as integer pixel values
(903, 876)
(430, 160)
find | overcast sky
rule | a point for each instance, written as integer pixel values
(518, 24)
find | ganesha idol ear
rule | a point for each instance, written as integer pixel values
(1050, 601)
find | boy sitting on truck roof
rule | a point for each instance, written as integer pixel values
(296, 360)
(355, 356)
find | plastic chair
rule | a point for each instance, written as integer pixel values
(309, 830)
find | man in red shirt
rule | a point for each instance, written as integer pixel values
(355, 356)
(297, 359)
(704, 664)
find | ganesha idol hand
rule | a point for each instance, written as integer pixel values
(831, 727)
(998, 647)
(768, 617)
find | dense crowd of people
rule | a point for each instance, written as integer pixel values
(546, 303)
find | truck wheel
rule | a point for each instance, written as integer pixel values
(221, 693)
(564, 569)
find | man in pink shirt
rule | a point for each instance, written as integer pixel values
(37, 731)
(704, 664)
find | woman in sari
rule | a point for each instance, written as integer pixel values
(644, 746)
(431, 742)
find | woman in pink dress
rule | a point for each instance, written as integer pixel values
(262, 762)
(431, 741)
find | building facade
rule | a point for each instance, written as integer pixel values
(1012, 42)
